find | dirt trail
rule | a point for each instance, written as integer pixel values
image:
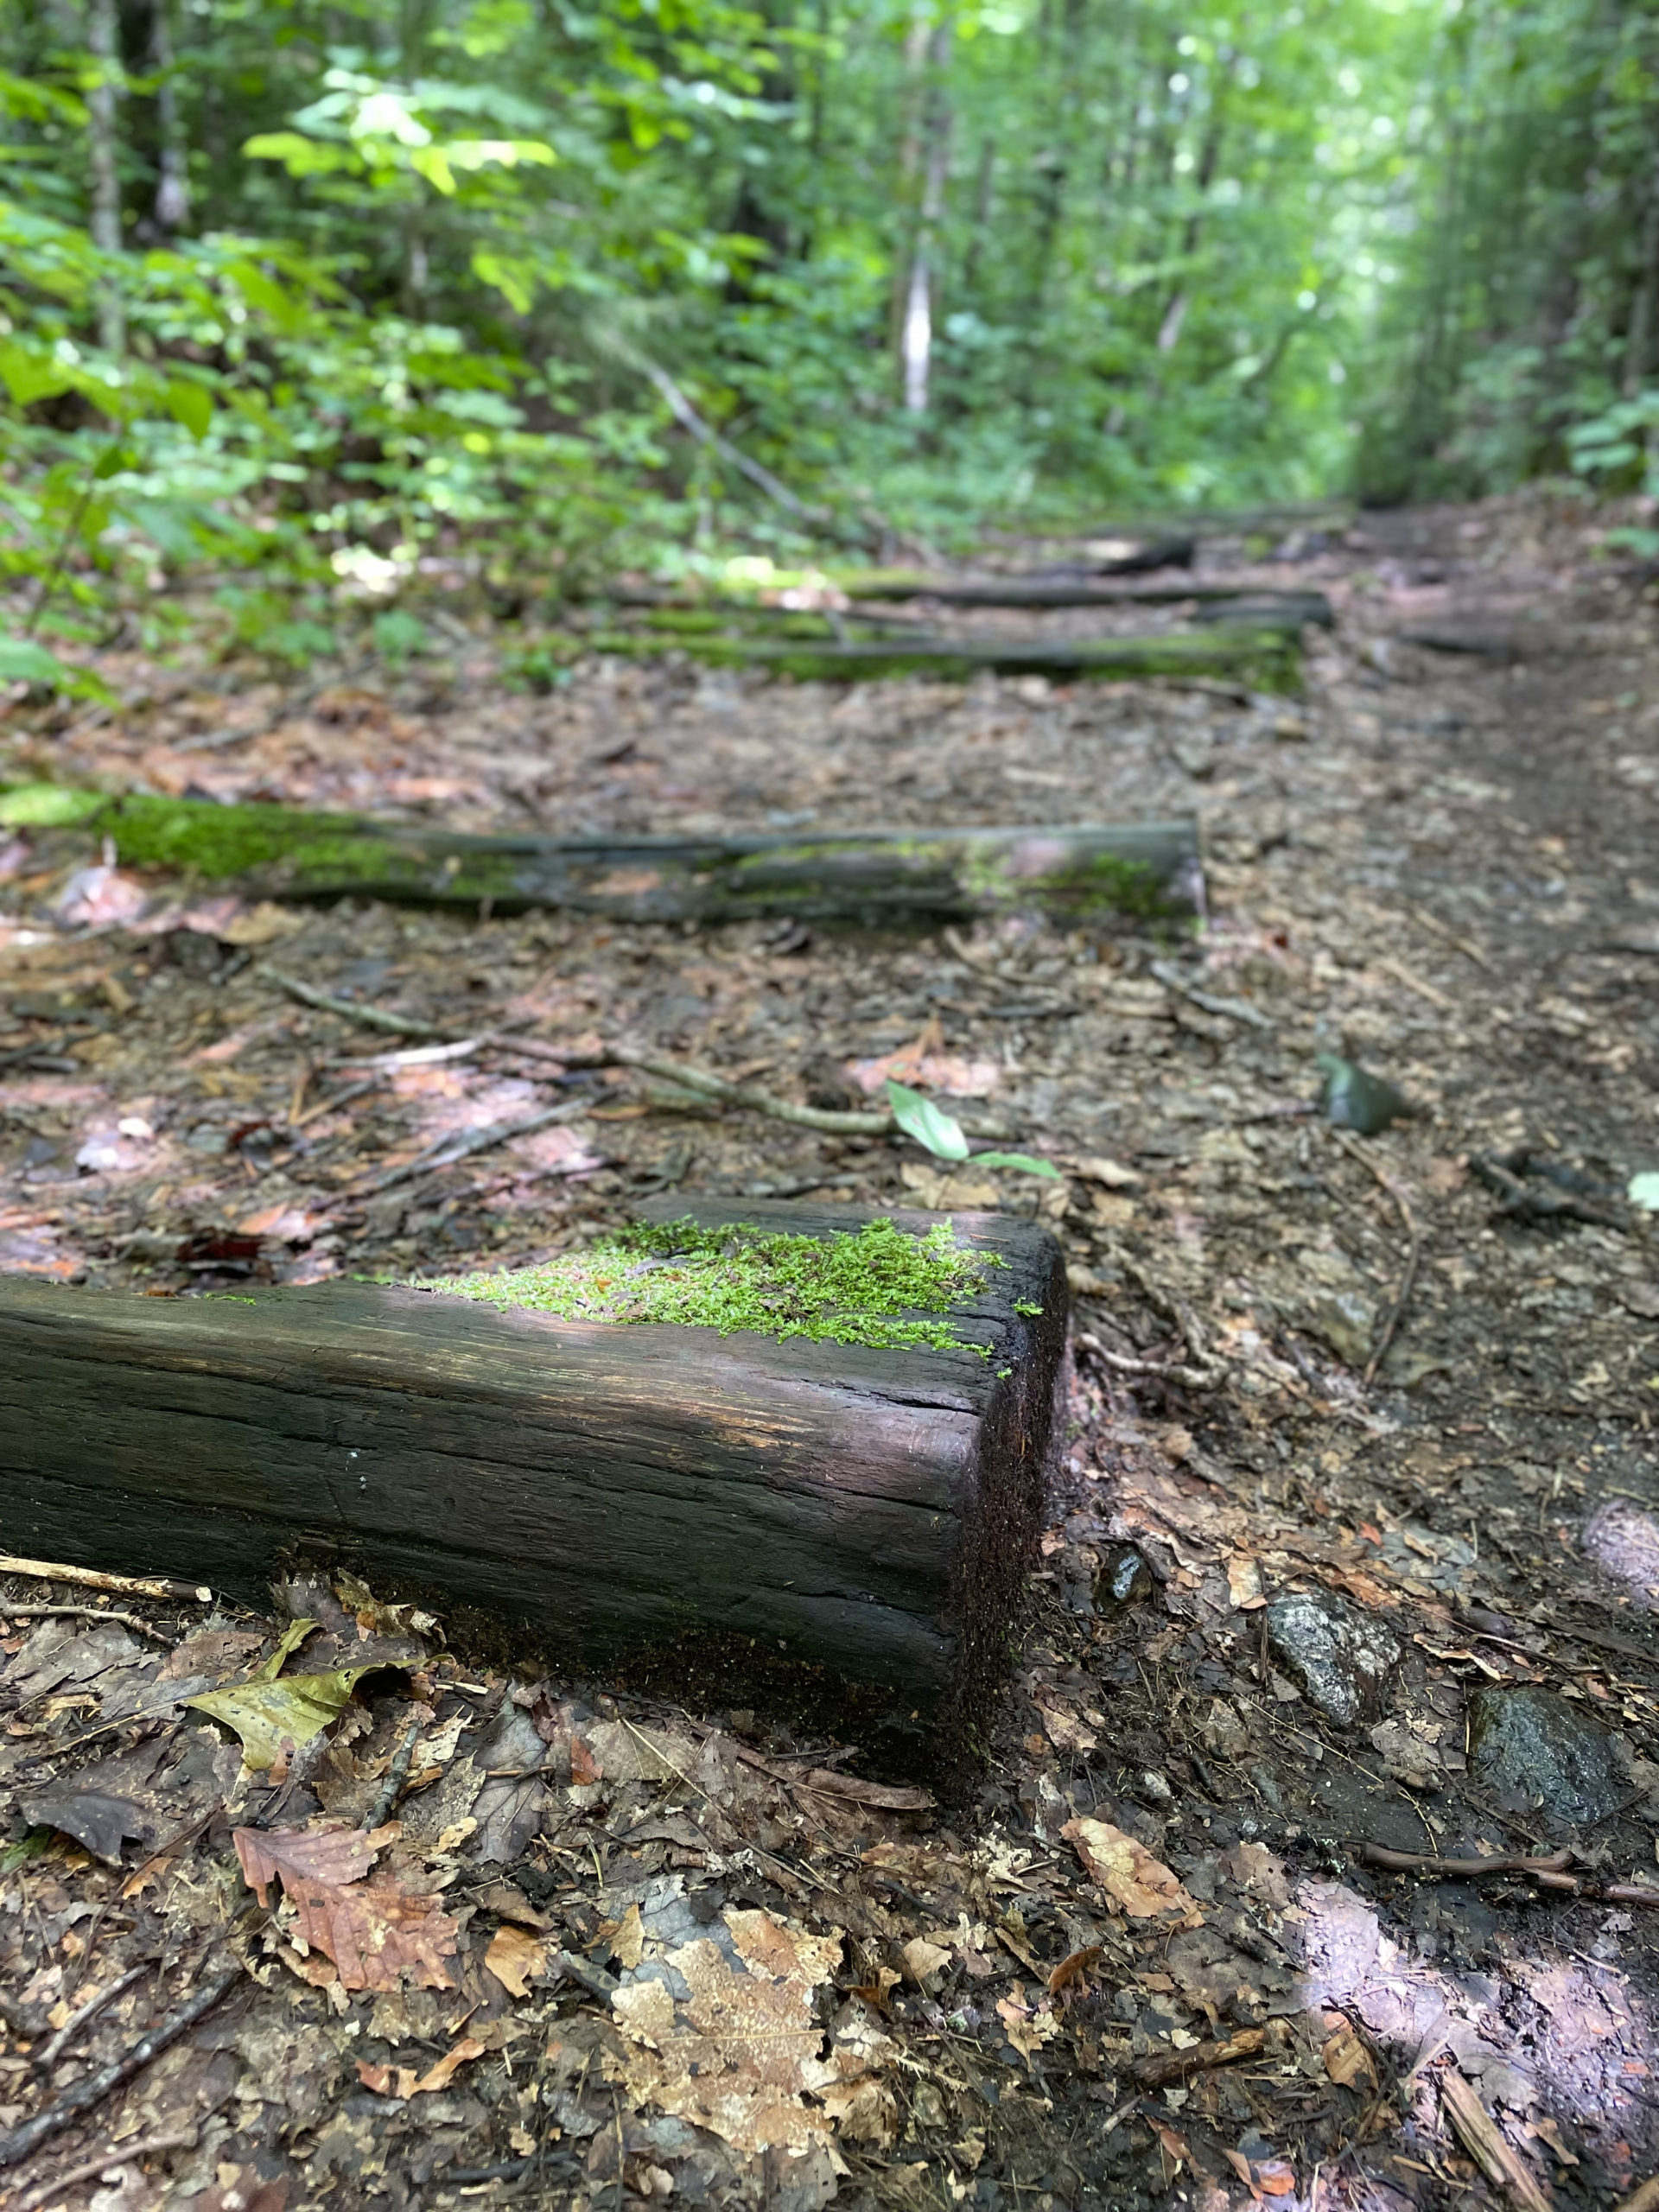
(1281, 1614)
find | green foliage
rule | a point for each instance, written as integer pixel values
(939, 1133)
(872, 1288)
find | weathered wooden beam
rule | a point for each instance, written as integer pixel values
(1149, 869)
(833, 1532)
(1247, 603)
(1261, 651)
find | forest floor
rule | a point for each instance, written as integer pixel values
(1283, 1614)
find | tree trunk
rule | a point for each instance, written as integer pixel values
(916, 339)
(173, 162)
(103, 42)
(836, 1533)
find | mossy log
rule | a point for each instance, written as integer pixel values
(1149, 869)
(836, 1532)
(1248, 604)
(1263, 652)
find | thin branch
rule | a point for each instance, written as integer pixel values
(86, 1613)
(84, 2094)
(688, 419)
(450, 1149)
(1402, 1297)
(72, 2027)
(371, 1017)
(90, 1578)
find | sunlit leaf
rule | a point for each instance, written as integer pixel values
(920, 1118)
(1643, 1190)
(1025, 1161)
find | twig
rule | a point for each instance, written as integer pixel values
(291, 703)
(1164, 2066)
(397, 1776)
(113, 2154)
(418, 1055)
(1505, 1179)
(334, 1101)
(1457, 1869)
(89, 1578)
(67, 2034)
(1234, 1009)
(83, 2096)
(1402, 1297)
(593, 1979)
(1476, 2129)
(688, 419)
(371, 1017)
(1208, 1378)
(1550, 1874)
(449, 1150)
(84, 1612)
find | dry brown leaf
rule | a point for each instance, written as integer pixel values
(375, 1933)
(513, 1956)
(404, 2082)
(739, 2053)
(1072, 1967)
(1127, 1871)
(923, 1958)
(1347, 2061)
(1026, 2030)
(331, 1854)
(628, 1938)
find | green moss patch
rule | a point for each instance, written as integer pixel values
(877, 1286)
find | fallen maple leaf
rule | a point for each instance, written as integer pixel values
(374, 1933)
(923, 1958)
(1127, 1871)
(1025, 2030)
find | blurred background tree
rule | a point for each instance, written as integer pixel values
(295, 291)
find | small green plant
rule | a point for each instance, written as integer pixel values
(937, 1132)
(874, 1287)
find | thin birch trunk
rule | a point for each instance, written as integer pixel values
(103, 39)
(173, 178)
(920, 298)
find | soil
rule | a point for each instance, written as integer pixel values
(1149, 1962)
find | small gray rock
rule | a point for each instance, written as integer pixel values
(1535, 1745)
(1339, 1658)
(1123, 1579)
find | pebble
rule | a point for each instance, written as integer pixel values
(1340, 1659)
(1536, 1745)
(1124, 1578)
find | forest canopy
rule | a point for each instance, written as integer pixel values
(294, 292)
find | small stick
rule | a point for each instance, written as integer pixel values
(113, 2154)
(397, 1776)
(371, 1017)
(86, 1613)
(1234, 1009)
(592, 1979)
(709, 1085)
(418, 1055)
(1163, 2066)
(1194, 1378)
(90, 1578)
(1391, 1322)
(83, 2096)
(446, 1152)
(336, 1099)
(67, 2034)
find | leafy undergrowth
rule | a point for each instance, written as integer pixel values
(869, 1288)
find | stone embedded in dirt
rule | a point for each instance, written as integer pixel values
(1535, 1745)
(1624, 1541)
(1124, 1578)
(1340, 1659)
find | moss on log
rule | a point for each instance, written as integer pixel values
(1147, 870)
